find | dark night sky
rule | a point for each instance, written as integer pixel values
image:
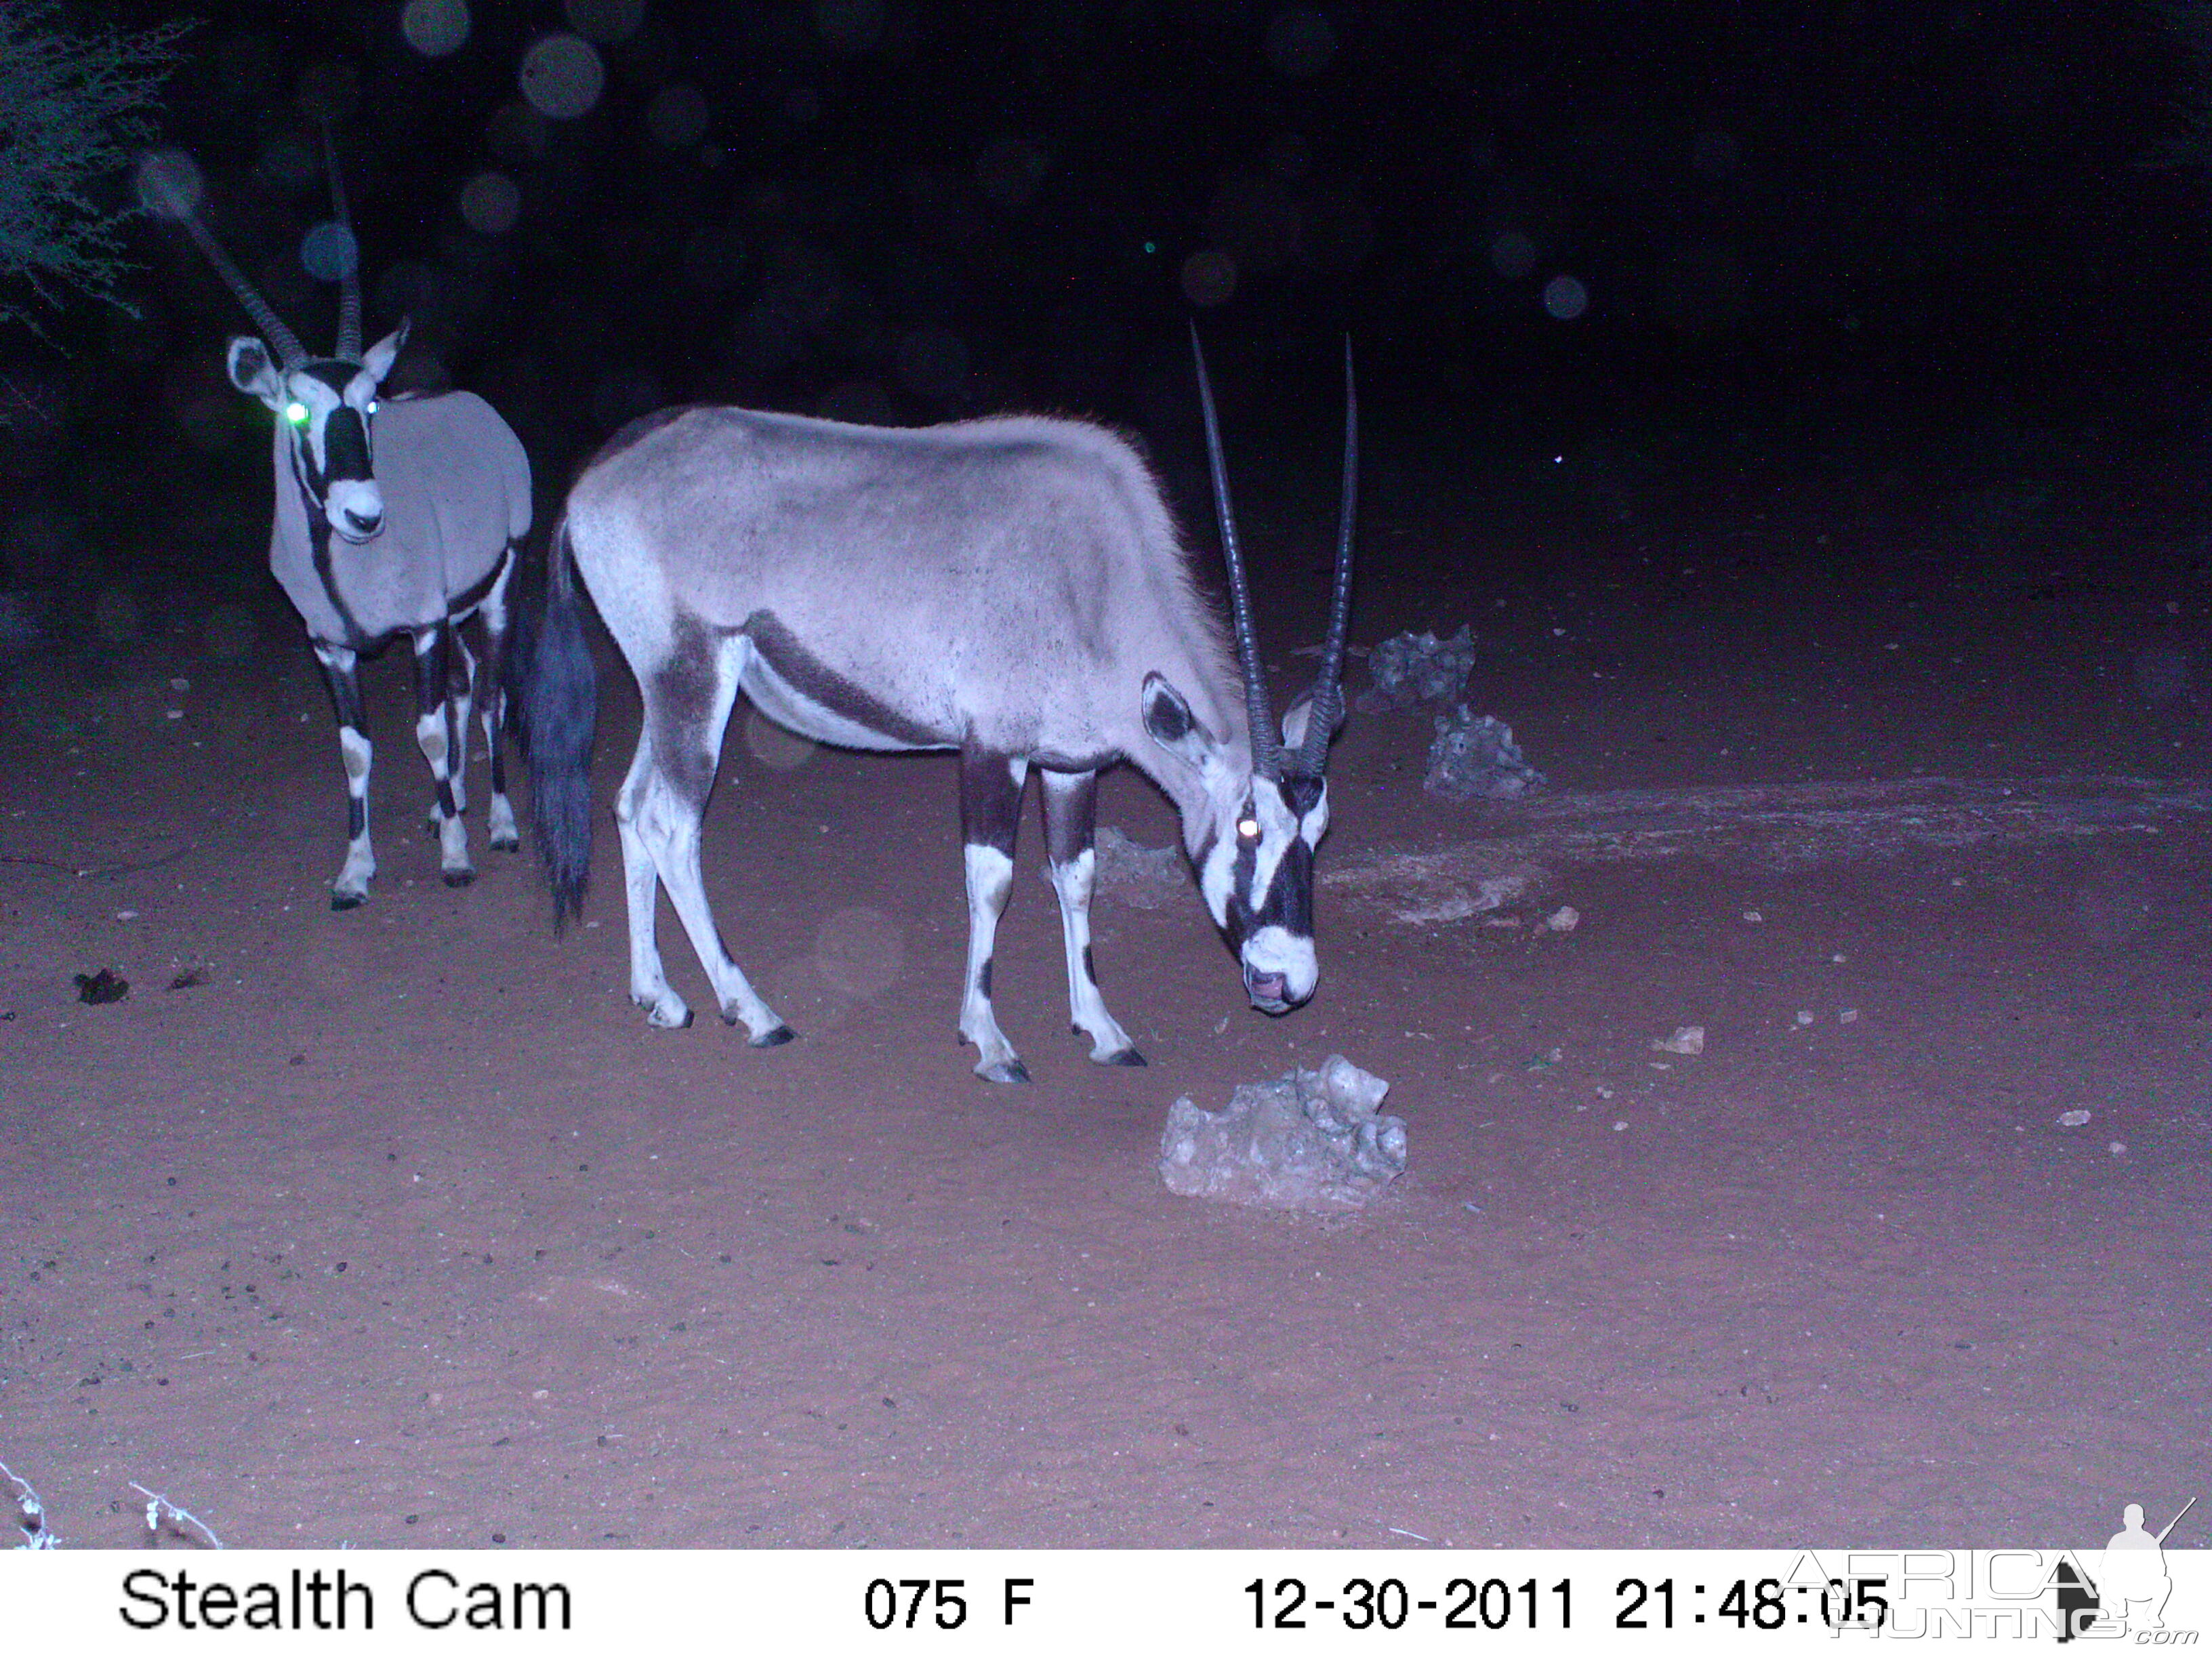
(1818, 226)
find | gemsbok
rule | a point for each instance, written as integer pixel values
(394, 515)
(1012, 588)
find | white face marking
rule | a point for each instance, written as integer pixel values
(348, 502)
(1277, 830)
(359, 498)
(1269, 829)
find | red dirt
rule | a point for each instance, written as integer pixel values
(402, 1229)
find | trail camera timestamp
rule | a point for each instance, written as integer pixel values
(1500, 1604)
(1390, 1604)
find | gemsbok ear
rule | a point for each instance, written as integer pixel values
(378, 358)
(1172, 725)
(1299, 716)
(253, 373)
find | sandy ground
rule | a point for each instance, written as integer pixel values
(400, 1228)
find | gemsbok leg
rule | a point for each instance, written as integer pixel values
(1070, 815)
(499, 818)
(660, 811)
(460, 692)
(990, 809)
(342, 674)
(433, 735)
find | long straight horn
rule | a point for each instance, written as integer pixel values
(1240, 595)
(350, 259)
(1325, 705)
(270, 325)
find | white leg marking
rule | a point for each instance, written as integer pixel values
(464, 701)
(499, 820)
(671, 831)
(351, 886)
(1086, 1009)
(452, 832)
(990, 879)
(668, 824)
(648, 981)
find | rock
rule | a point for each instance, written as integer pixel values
(1411, 668)
(1475, 758)
(1310, 1140)
(106, 986)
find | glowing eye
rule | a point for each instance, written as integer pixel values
(297, 413)
(1249, 827)
(371, 405)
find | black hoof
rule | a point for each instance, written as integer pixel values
(774, 1039)
(459, 878)
(1127, 1057)
(506, 844)
(688, 1018)
(347, 901)
(1012, 1072)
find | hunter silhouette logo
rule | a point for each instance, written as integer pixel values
(2129, 1591)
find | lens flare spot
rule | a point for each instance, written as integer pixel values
(1565, 298)
(169, 183)
(562, 77)
(1512, 254)
(490, 204)
(774, 747)
(861, 952)
(1209, 277)
(329, 252)
(436, 28)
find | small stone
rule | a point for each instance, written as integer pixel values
(1687, 1040)
(1753, 915)
(2072, 1120)
(106, 986)
(1806, 1017)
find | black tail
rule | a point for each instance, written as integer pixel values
(560, 718)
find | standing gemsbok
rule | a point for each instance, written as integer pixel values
(1013, 588)
(399, 515)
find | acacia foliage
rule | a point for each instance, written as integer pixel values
(75, 109)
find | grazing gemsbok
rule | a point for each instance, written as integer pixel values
(1012, 588)
(393, 516)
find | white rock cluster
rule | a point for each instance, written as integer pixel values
(1311, 1140)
